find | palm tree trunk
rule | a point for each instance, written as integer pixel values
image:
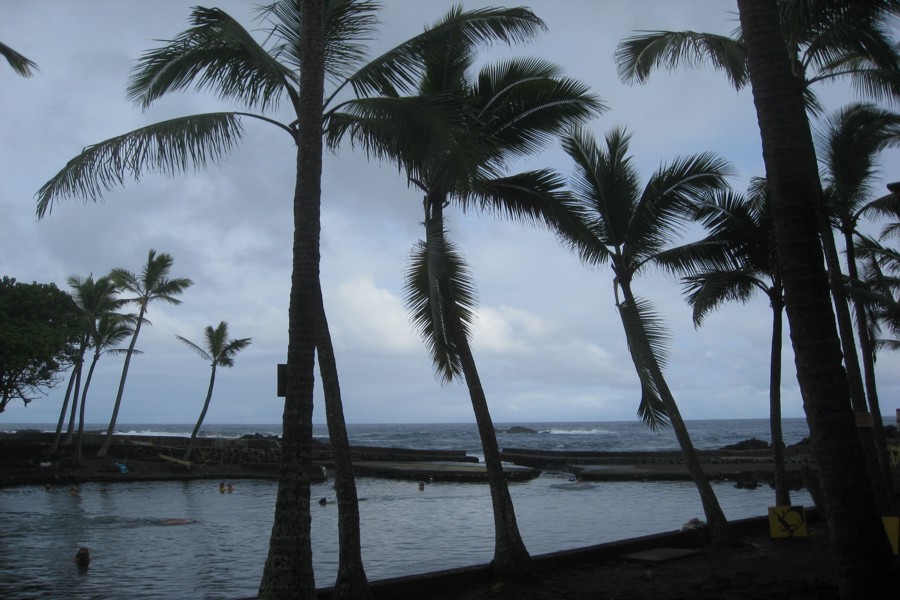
(288, 572)
(866, 568)
(715, 517)
(851, 359)
(87, 384)
(104, 448)
(511, 558)
(782, 494)
(209, 391)
(351, 582)
(62, 412)
(70, 430)
(868, 360)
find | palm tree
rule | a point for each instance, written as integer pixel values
(96, 299)
(866, 568)
(19, 63)
(454, 140)
(849, 142)
(109, 330)
(745, 225)
(217, 53)
(93, 299)
(153, 283)
(220, 352)
(632, 229)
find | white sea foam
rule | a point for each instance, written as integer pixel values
(578, 431)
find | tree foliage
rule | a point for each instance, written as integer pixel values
(40, 328)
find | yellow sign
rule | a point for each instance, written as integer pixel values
(787, 521)
(892, 527)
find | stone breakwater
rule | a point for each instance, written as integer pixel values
(25, 458)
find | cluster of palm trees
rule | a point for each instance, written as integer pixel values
(105, 327)
(455, 134)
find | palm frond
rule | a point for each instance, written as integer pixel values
(848, 144)
(706, 292)
(647, 343)
(216, 54)
(399, 70)
(637, 56)
(18, 62)
(668, 199)
(167, 147)
(855, 43)
(692, 258)
(525, 103)
(430, 261)
(200, 351)
(422, 133)
(349, 26)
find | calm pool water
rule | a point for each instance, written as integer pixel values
(187, 540)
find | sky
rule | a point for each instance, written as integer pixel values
(547, 340)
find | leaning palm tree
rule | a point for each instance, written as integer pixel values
(19, 63)
(632, 229)
(109, 330)
(220, 352)
(218, 54)
(744, 224)
(152, 284)
(454, 139)
(849, 142)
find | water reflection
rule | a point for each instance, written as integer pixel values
(188, 540)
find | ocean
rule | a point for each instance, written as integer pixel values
(187, 540)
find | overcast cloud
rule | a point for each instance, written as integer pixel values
(548, 341)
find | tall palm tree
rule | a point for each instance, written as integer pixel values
(19, 63)
(631, 229)
(866, 568)
(744, 224)
(217, 53)
(152, 284)
(454, 139)
(220, 352)
(849, 142)
(109, 331)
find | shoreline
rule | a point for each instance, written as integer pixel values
(25, 460)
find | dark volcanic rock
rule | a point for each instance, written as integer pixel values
(751, 444)
(520, 429)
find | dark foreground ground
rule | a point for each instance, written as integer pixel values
(756, 568)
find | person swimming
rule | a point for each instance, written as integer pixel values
(83, 558)
(222, 487)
